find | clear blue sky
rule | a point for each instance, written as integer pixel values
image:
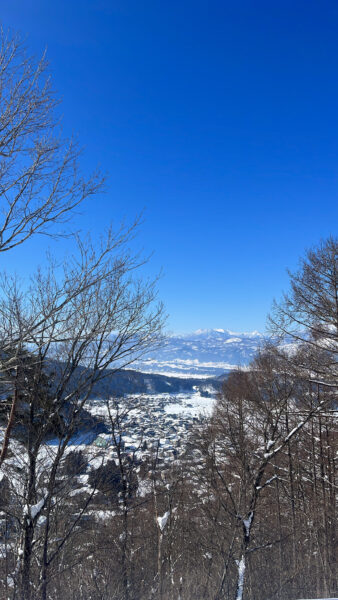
(220, 119)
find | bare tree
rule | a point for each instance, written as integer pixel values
(248, 448)
(47, 313)
(126, 467)
(97, 315)
(59, 334)
(308, 313)
(40, 184)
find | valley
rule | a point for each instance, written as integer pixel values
(203, 353)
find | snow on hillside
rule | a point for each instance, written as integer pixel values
(205, 352)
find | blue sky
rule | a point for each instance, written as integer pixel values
(219, 120)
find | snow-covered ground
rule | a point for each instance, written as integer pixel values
(189, 405)
(203, 353)
(160, 420)
(164, 418)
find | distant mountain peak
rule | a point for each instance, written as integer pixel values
(218, 330)
(202, 353)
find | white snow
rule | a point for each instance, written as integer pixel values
(241, 571)
(247, 523)
(102, 515)
(260, 487)
(37, 508)
(162, 521)
(33, 510)
(190, 404)
(83, 479)
(144, 488)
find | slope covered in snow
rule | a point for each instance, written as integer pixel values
(205, 352)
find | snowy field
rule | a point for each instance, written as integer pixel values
(189, 405)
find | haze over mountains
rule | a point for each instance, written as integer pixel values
(183, 363)
(202, 353)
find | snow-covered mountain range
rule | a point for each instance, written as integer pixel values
(202, 353)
